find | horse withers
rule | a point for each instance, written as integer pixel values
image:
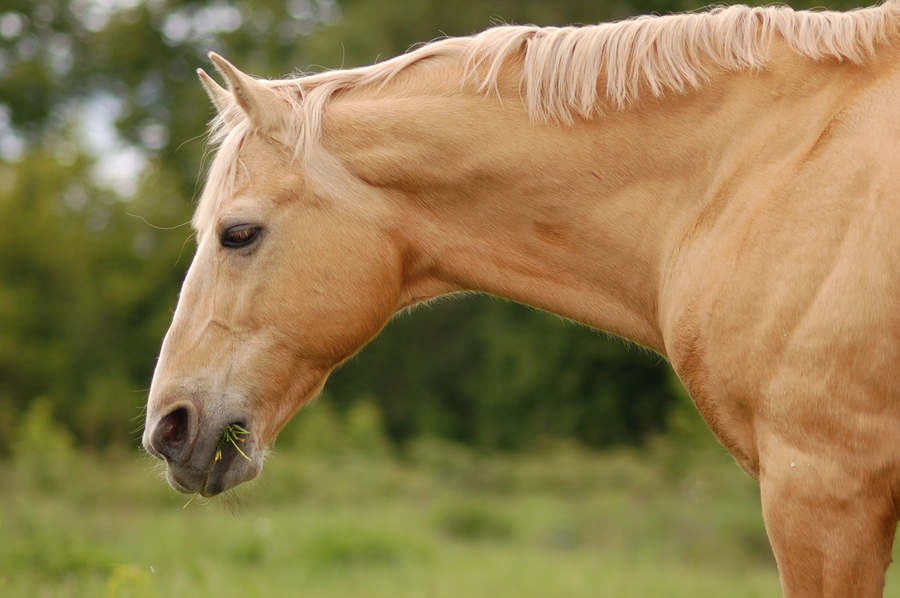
(720, 187)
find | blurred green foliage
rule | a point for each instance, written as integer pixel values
(101, 149)
(441, 520)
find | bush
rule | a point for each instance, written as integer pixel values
(43, 450)
(474, 520)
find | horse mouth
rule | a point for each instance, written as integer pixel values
(228, 467)
(232, 463)
(204, 459)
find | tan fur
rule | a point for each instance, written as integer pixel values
(576, 71)
(719, 187)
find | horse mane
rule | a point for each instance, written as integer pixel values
(577, 72)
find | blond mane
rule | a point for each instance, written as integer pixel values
(577, 72)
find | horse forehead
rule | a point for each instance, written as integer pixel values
(267, 187)
(265, 174)
(262, 158)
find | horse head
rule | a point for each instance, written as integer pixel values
(291, 276)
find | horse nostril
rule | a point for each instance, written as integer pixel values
(171, 434)
(175, 427)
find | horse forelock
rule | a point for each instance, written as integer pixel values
(571, 72)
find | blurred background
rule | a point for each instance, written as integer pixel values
(458, 410)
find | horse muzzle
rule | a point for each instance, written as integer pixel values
(203, 455)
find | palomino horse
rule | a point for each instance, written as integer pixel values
(721, 187)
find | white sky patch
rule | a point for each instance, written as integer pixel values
(59, 52)
(204, 23)
(118, 165)
(12, 25)
(95, 14)
(121, 171)
(11, 143)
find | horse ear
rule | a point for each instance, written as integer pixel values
(219, 95)
(267, 108)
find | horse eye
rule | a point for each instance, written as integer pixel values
(240, 235)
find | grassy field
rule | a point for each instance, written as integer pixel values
(353, 519)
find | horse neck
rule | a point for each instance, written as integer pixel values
(580, 220)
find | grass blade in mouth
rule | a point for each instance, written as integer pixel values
(233, 434)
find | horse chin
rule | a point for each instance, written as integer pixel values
(224, 475)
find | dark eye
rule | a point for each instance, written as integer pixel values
(240, 235)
